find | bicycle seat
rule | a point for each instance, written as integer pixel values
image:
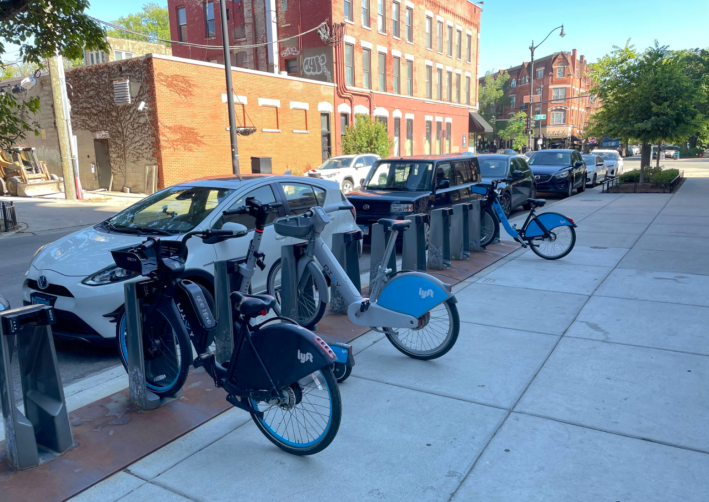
(253, 305)
(537, 202)
(395, 224)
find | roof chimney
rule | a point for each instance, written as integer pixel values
(573, 53)
(583, 58)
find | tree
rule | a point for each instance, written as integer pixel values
(367, 136)
(697, 69)
(41, 29)
(492, 95)
(153, 21)
(515, 129)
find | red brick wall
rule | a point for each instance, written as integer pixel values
(193, 120)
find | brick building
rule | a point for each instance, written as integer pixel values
(412, 65)
(123, 48)
(561, 85)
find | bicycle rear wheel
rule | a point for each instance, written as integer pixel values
(560, 243)
(434, 338)
(307, 419)
(310, 307)
(488, 226)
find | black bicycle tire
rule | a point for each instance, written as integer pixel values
(306, 323)
(455, 320)
(336, 400)
(570, 248)
(488, 210)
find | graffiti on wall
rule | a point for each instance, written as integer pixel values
(290, 51)
(316, 65)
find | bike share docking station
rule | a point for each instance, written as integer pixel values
(42, 432)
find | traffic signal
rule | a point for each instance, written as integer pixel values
(528, 124)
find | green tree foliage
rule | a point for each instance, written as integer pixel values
(153, 21)
(41, 29)
(697, 69)
(515, 129)
(493, 94)
(369, 136)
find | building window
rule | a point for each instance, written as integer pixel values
(410, 78)
(458, 44)
(366, 68)
(409, 137)
(558, 117)
(209, 17)
(467, 90)
(241, 59)
(457, 87)
(292, 65)
(524, 80)
(540, 72)
(449, 87)
(539, 90)
(269, 119)
(382, 72)
(284, 7)
(348, 10)
(429, 33)
(396, 19)
(397, 64)
(121, 55)
(450, 41)
(365, 13)
(344, 122)
(349, 64)
(513, 102)
(559, 94)
(439, 34)
(448, 137)
(469, 50)
(95, 57)
(381, 16)
(439, 84)
(438, 137)
(383, 121)
(561, 71)
(427, 146)
(429, 84)
(397, 137)
(182, 23)
(513, 84)
(410, 25)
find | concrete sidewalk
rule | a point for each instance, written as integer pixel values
(584, 379)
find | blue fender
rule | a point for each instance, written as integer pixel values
(549, 220)
(414, 294)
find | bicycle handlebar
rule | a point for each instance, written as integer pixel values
(337, 207)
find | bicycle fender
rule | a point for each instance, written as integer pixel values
(199, 304)
(549, 220)
(320, 281)
(414, 294)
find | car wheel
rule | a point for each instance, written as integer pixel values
(582, 187)
(569, 190)
(347, 187)
(506, 203)
(593, 182)
(532, 195)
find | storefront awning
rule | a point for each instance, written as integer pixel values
(477, 124)
(558, 132)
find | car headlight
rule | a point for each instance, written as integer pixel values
(329, 175)
(565, 174)
(109, 275)
(36, 254)
(402, 208)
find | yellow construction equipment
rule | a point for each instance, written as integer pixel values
(21, 174)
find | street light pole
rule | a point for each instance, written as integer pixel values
(229, 91)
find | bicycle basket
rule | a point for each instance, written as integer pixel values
(299, 227)
(135, 260)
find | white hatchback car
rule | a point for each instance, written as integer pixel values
(596, 169)
(612, 159)
(347, 170)
(77, 275)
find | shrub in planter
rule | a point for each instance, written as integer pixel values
(654, 175)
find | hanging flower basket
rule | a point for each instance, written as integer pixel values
(245, 131)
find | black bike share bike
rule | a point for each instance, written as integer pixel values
(280, 373)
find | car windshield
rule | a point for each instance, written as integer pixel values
(609, 155)
(590, 160)
(550, 159)
(337, 163)
(175, 210)
(493, 168)
(414, 176)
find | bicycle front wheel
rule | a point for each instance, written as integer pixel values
(488, 226)
(559, 243)
(307, 417)
(434, 338)
(310, 306)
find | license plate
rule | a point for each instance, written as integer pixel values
(364, 229)
(42, 299)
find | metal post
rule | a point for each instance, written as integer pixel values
(223, 337)
(229, 91)
(439, 245)
(474, 226)
(43, 431)
(139, 393)
(413, 252)
(289, 283)
(380, 237)
(345, 248)
(459, 236)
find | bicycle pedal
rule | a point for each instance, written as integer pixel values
(203, 359)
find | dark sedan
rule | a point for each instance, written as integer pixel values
(517, 179)
(560, 171)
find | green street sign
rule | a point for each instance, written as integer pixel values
(540, 117)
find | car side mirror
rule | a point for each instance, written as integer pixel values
(357, 166)
(237, 229)
(599, 164)
(517, 175)
(444, 184)
(578, 163)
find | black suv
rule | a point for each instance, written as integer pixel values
(517, 179)
(559, 171)
(395, 188)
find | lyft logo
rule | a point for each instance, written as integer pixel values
(425, 294)
(305, 357)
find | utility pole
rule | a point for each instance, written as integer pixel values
(229, 91)
(530, 139)
(55, 64)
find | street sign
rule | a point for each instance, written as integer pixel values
(539, 141)
(592, 140)
(540, 117)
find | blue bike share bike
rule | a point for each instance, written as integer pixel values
(549, 235)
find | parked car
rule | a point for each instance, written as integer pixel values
(654, 153)
(529, 153)
(508, 151)
(347, 170)
(672, 153)
(612, 159)
(596, 169)
(518, 181)
(635, 150)
(395, 188)
(77, 275)
(560, 171)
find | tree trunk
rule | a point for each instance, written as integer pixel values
(657, 164)
(692, 141)
(645, 158)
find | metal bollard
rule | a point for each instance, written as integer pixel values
(439, 244)
(413, 252)
(289, 284)
(380, 237)
(45, 423)
(474, 226)
(460, 240)
(345, 247)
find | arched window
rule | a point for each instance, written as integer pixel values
(514, 83)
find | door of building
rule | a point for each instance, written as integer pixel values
(103, 163)
(325, 136)
(397, 137)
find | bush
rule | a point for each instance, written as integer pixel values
(685, 153)
(369, 136)
(654, 175)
